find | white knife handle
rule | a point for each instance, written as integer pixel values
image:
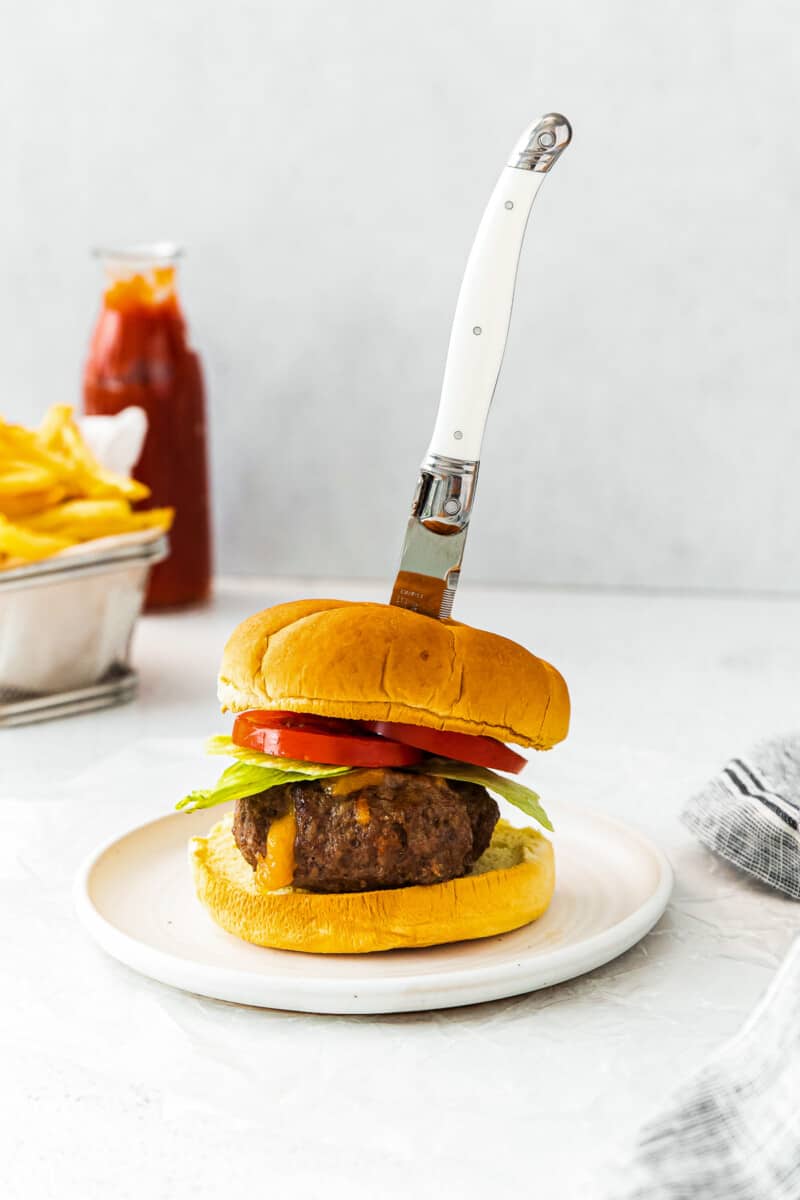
(483, 312)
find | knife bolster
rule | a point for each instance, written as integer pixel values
(445, 494)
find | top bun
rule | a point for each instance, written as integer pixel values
(377, 662)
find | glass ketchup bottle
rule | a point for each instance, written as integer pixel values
(139, 354)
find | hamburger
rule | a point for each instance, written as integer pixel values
(368, 746)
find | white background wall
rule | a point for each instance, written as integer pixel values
(327, 165)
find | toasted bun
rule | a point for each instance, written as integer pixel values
(375, 662)
(510, 885)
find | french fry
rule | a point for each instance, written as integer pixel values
(19, 477)
(54, 493)
(59, 434)
(28, 503)
(153, 518)
(52, 424)
(82, 520)
(16, 442)
(18, 542)
(80, 517)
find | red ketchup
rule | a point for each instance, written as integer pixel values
(139, 354)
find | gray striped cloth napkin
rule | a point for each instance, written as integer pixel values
(733, 1131)
(750, 813)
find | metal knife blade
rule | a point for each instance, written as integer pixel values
(435, 536)
(433, 550)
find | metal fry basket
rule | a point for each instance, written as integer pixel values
(65, 629)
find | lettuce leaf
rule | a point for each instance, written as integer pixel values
(255, 772)
(238, 781)
(254, 758)
(511, 790)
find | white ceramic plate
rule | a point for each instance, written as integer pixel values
(135, 897)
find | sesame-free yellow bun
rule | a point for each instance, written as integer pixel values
(510, 885)
(377, 662)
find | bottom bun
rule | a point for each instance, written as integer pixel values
(510, 885)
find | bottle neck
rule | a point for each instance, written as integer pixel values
(147, 290)
(140, 337)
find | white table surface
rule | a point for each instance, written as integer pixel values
(112, 1085)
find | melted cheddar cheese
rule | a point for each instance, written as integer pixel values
(276, 869)
(344, 785)
(362, 811)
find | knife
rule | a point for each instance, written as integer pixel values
(440, 512)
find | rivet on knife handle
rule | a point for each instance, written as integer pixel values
(436, 533)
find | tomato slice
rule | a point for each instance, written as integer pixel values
(319, 739)
(466, 747)
(279, 719)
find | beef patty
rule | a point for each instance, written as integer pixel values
(394, 830)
